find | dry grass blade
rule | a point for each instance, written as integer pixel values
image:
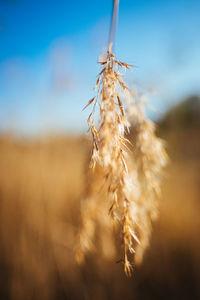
(90, 102)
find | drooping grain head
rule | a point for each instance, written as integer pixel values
(150, 158)
(130, 192)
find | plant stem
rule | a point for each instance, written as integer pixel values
(113, 24)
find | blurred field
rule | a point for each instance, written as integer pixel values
(41, 186)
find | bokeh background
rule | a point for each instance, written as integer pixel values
(48, 66)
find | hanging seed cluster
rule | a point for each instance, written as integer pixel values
(130, 192)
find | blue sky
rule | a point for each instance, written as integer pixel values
(49, 50)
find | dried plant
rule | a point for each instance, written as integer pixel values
(150, 158)
(130, 192)
(109, 151)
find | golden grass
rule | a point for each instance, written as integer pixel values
(130, 189)
(131, 192)
(41, 183)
